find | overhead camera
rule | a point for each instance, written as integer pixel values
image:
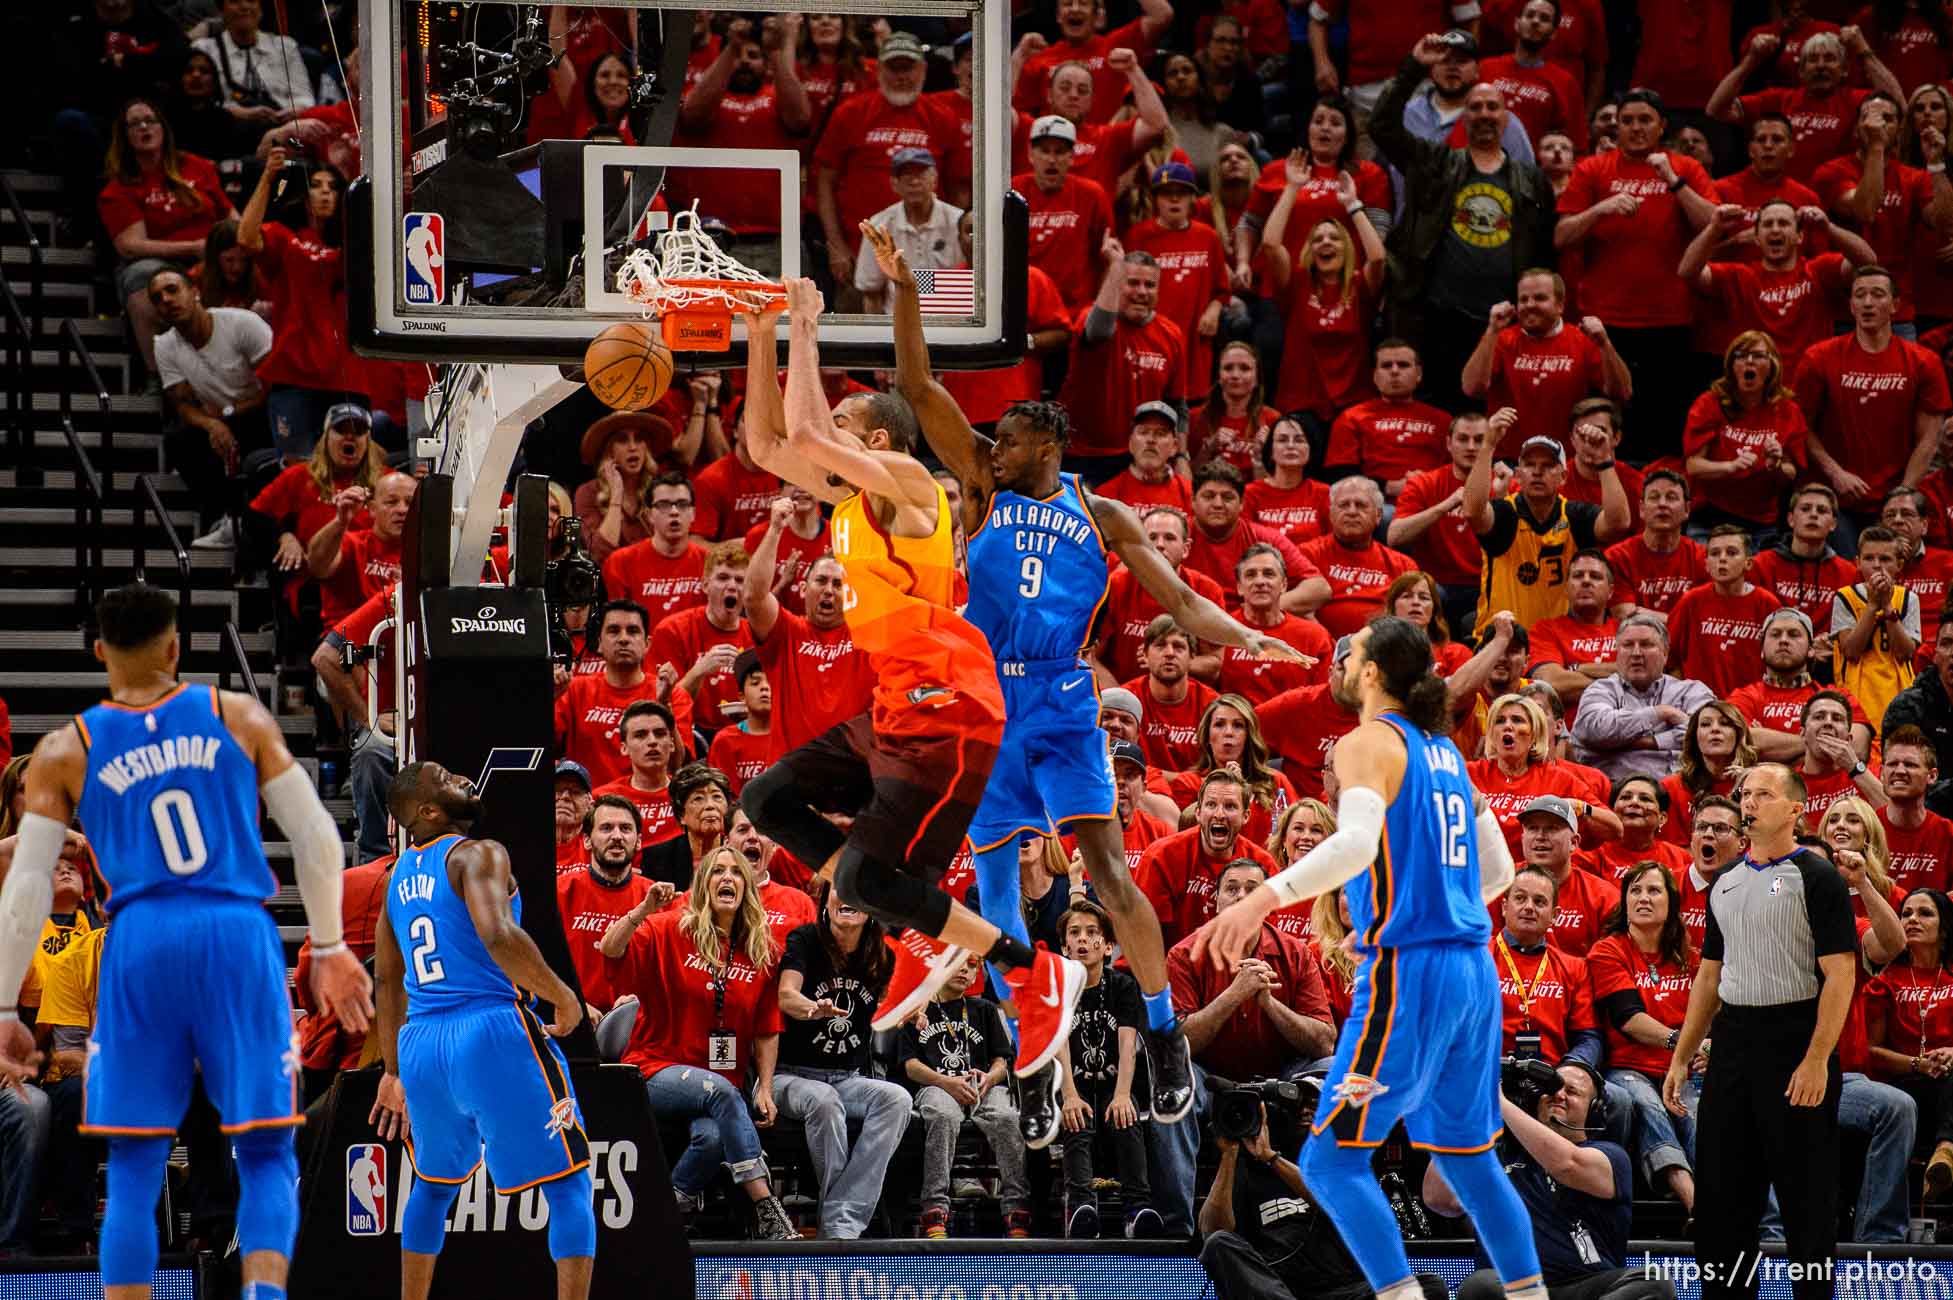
(570, 580)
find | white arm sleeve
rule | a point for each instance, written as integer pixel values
(319, 855)
(25, 901)
(1341, 857)
(1494, 857)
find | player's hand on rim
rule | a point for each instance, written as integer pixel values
(341, 985)
(892, 260)
(389, 1114)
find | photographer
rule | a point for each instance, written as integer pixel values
(1264, 1238)
(1578, 1193)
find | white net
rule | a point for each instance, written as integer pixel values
(691, 271)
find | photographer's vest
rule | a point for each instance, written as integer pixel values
(1877, 675)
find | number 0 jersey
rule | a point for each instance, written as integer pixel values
(1423, 887)
(1038, 575)
(170, 802)
(448, 966)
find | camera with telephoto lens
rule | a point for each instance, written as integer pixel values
(1237, 1111)
(569, 580)
(1528, 1081)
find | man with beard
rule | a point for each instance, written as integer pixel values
(1174, 700)
(1180, 873)
(1302, 725)
(1151, 479)
(590, 713)
(1789, 296)
(463, 1070)
(749, 97)
(1774, 706)
(700, 798)
(1821, 110)
(1528, 359)
(1578, 1194)
(1631, 212)
(699, 646)
(1576, 649)
(206, 361)
(1477, 211)
(604, 888)
(1544, 96)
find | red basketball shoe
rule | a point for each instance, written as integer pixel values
(922, 965)
(1046, 995)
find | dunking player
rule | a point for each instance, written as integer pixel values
(1421, 1042)
(167, 777)
(458, 1076)
(1038, 543)
(912, 770)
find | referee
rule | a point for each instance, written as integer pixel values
(1776, 977)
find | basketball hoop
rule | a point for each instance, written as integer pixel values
(693, 288)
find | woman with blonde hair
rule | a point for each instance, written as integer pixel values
(1715, 748)
(1329, 297)
(1745, 438)
(1329, 932)
(708, 1012)
(1304, 824)
(1521, 768)
(1854, 838)
(1229, 736)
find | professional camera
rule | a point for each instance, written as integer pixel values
(570, 579)
(1528, 1081)
(1237, 1111)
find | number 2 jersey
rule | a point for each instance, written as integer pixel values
(448, 966)
(1423, 887)
(170, 802)
(1038, 576)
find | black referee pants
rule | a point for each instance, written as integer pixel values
(1749, 1139)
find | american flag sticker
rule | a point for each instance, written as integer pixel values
(946, 292)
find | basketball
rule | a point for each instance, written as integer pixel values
(627, 366)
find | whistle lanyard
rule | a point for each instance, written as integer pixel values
(1525, 989)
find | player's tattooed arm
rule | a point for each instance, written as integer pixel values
(484, 866)
(389, 1114)
(1193, 611)
(944, 426)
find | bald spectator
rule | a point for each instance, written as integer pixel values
(1630, 213)
(1529, 360)
(1476, 211)
(1357, 567)
(1634, 721)
(1071, 216)
(1123, 355)
(353, 566)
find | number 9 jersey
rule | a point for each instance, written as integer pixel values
(1037, 575)
(170, 804)
(1423, 887)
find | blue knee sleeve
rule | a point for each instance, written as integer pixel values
(1341, 1181)
(572, 1219)
(135, 1180)
(1504, 1227)
(424, 1223)
(267, 1190)
(1000, 895)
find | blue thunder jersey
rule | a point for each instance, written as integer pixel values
(170, 803)
(1423, 887)
(1037, 576)
(448, 966)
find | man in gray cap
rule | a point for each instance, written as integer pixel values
(921, 225)
(1121, 713)
(1154, 446)
(1549, 832)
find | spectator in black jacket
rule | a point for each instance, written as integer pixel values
(1443, 286)
(1928, 705)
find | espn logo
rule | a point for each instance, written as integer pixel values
(366, 1190)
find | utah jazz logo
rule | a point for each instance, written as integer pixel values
(507, 760)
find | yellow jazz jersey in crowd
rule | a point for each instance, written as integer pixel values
(900, 608)
(68, 989)
(1524, 566)
(54, 941)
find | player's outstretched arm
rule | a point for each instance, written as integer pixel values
(1495, 869)
(389, 1114)
(1193, 611)
(485, 885)
(53, 779)
(811, 431)
(764, 415)
(944, 426)
(339, 981)
(1370, 768)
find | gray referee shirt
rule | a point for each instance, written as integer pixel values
(1769, 922)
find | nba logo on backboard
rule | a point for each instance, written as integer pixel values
(366, 1188)
(423, 258)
